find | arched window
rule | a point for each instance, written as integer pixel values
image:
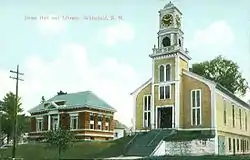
(162, 73)
(166, 42)
(168, 73)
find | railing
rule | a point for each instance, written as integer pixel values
(154, 138)
(130, 142)
(165, 49)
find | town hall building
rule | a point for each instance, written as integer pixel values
(174, 98)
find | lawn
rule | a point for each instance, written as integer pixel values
(79, 150)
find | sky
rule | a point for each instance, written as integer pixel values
(110, 57)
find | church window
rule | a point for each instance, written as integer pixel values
(233, 115)
(196, 107)
(225, 111)
(168, 72)
(162, 73)
(165, 73)
(147, 110)
(166, 42)
(165, 92)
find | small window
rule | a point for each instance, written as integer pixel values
(91, 116)
(74, 122)
(229, 145)
(166, 42)
(168, 67)
(162, 73)
(39, 124)
(238, 145)
(165, 92)
(91, 126)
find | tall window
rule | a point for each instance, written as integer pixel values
(233, 115)
(165, 92)
(165, 73)
(91, 121)
(240, 118)
(168, 72)
(225, 111)
(246, 121)
(147, 109)
(162, 73)
(74, 122)
(196, 107)
(99, 124)
(39, 124)
(107, 123)
(238, 145)
(229, 145)
(55, 122)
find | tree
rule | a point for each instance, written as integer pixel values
(222, 71)
(60, 139)
(9, 102)
(43, 99)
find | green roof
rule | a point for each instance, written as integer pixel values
(86, 99)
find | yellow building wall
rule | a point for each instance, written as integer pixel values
(157, 64)
(139, 106)
(162, 102)
(185, 118)
(228, 127)
(183, 64)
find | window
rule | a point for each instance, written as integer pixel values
(99, 124)
(233, 115)
(147, 110)
(238, 145)
(196, 107)
(165, 92)
(91, 122)
(247, 145)
(107, 123)
(225, 111)
(242, 145)
(55, 123)
(116, 134)
(229, 145)
(165, 72)
(240, 118)
(74, 122)
(246, 121)
(39, 124)
(162, 73)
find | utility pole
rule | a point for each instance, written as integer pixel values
(17, 73)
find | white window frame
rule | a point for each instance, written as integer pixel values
(39, 120)
(159, 91)
(246, 120)
(233, 116)
(57, 124)
(224, 111)
(196, 107)
(147, 123)
(164, 73)
(91, 122)
(72, 118)
(99, 123)
(240, 118)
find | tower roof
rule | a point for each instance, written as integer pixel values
(170, 5)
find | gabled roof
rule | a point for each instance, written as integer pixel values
(142, 86)
(74, 101)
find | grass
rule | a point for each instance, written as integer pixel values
(80, 150)
(239, 157)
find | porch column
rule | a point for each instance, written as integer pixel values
(49, 123)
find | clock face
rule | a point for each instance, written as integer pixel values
(167, 20)
(178, 21)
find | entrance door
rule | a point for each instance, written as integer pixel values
(165, 117)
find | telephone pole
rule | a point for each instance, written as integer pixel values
(17, 73)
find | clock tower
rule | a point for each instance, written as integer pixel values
(168, 60)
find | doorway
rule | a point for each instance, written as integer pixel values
(165, 117)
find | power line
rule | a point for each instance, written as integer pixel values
(17, 78)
